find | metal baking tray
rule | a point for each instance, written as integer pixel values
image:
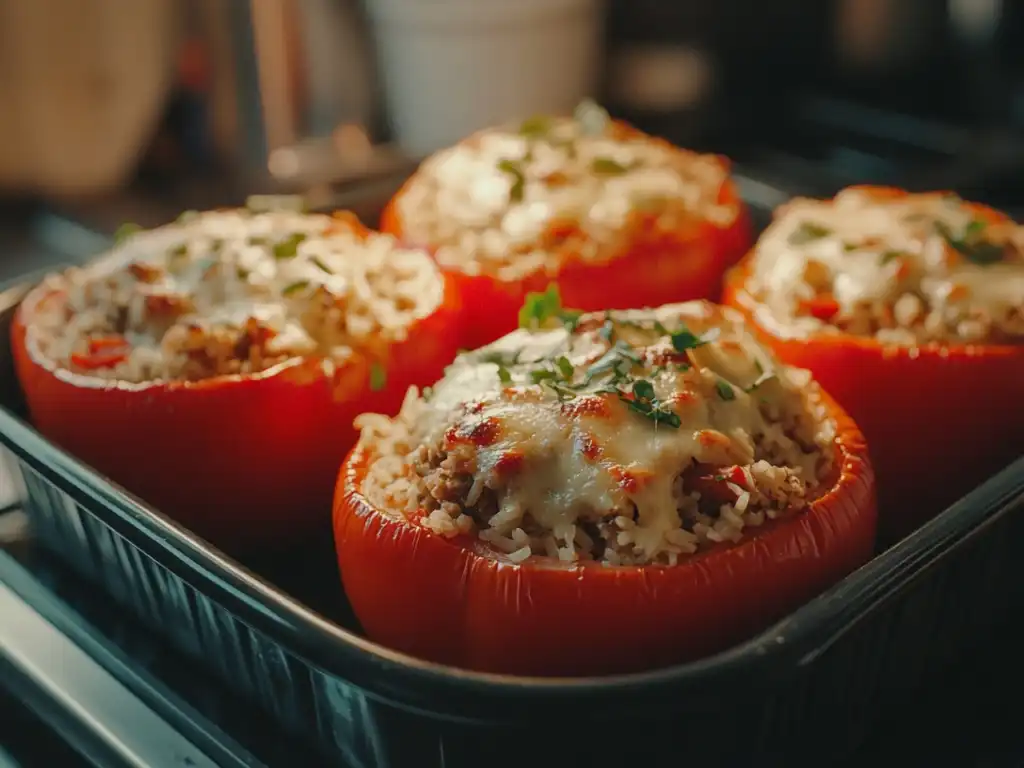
(274, 626)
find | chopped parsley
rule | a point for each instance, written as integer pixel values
(287, 248)
(293, 288)
(181, 249)
(808, 232)
(891, 256)
(565, 367)
(684, 339)
(618, 361)
(516, 191)
(378, 377)
(319, 264)
(610, 374)
(125, 231)
(243, 274)
(725, 390)
(643, 389)
(540, 308)
(647, 404)
(605, 166)
(971, 245)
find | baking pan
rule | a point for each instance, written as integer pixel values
(275, 628)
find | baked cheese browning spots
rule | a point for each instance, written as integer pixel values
(513, 200)
(627, 437)
(905, 269)
(234, 292)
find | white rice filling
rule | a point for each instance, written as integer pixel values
(536, 469)
(511, 201)
(229, 292)
(915, 269)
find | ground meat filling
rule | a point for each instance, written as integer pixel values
(234, 292)
(514, 200)
(909, 269)
(633, 438)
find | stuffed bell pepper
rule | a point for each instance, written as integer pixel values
(213, 366)
(623, 491)
(909, 310)
(616, 217)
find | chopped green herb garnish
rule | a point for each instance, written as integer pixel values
(378, 377)
(848, 247)
(539, 308)
(515, 193)
(970, 245)
(592, 118)
(808, 232)
(535, 127)
(181, 249)
(295, 287)
(725, 390)
(565, 367)
(542, 374)
(267, 203)
(563, 392)
(974, 228)
(287, 248)
(216, 244)
(719, 478)
(503, 375)
(258, 241)
(607, 167)
(319, 264)
(890, 256)
(684, 339)
(618, 361)
(643, 389)
(243, 274)
(654, 411)
(125, 231)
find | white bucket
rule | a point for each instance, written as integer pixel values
(451, 67)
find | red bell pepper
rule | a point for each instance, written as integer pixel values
(940, 418)
(657, 266)
(235, 458)
(452, 602)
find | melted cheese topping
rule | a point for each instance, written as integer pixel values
(549, 441)
(921, 267)
(512, 201)
(235, 291)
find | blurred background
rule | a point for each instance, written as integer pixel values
(114, 110)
